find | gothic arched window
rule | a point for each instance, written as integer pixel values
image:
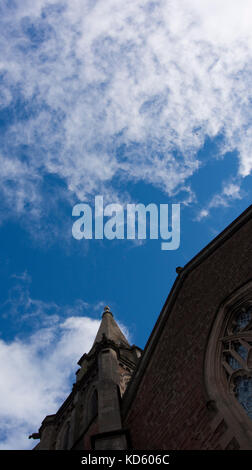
(228, 365)
(237, 356)
(93, 406)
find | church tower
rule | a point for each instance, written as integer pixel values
(90, 417)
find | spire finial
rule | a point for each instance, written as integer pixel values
(107, 310)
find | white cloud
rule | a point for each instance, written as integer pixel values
(122, 89)
(38, 364)
(229, 193)
(232, 190)
(202, 214)
(35, 373)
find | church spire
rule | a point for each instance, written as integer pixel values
(107, 310)
(110, 329)
(93, 408)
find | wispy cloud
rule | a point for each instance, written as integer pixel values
(103, 90)
(229, 193)
(20, 309)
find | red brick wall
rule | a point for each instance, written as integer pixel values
(169, 409)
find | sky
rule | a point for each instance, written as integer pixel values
(140, 102)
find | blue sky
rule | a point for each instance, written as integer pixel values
(139, 102)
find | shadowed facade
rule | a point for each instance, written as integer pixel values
(191, 388)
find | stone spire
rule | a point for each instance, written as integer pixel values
(110, 330)
(90, 417)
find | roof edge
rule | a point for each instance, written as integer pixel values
(203, 254)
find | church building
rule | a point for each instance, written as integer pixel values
(191, 387)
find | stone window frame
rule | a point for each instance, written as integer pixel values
(219, 388)
(62, 442)
(86, 399)
(93, 405)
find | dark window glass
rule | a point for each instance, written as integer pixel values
(243, 319)
(243, 390)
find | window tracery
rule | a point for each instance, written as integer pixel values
(228, 365)
(237, 356)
